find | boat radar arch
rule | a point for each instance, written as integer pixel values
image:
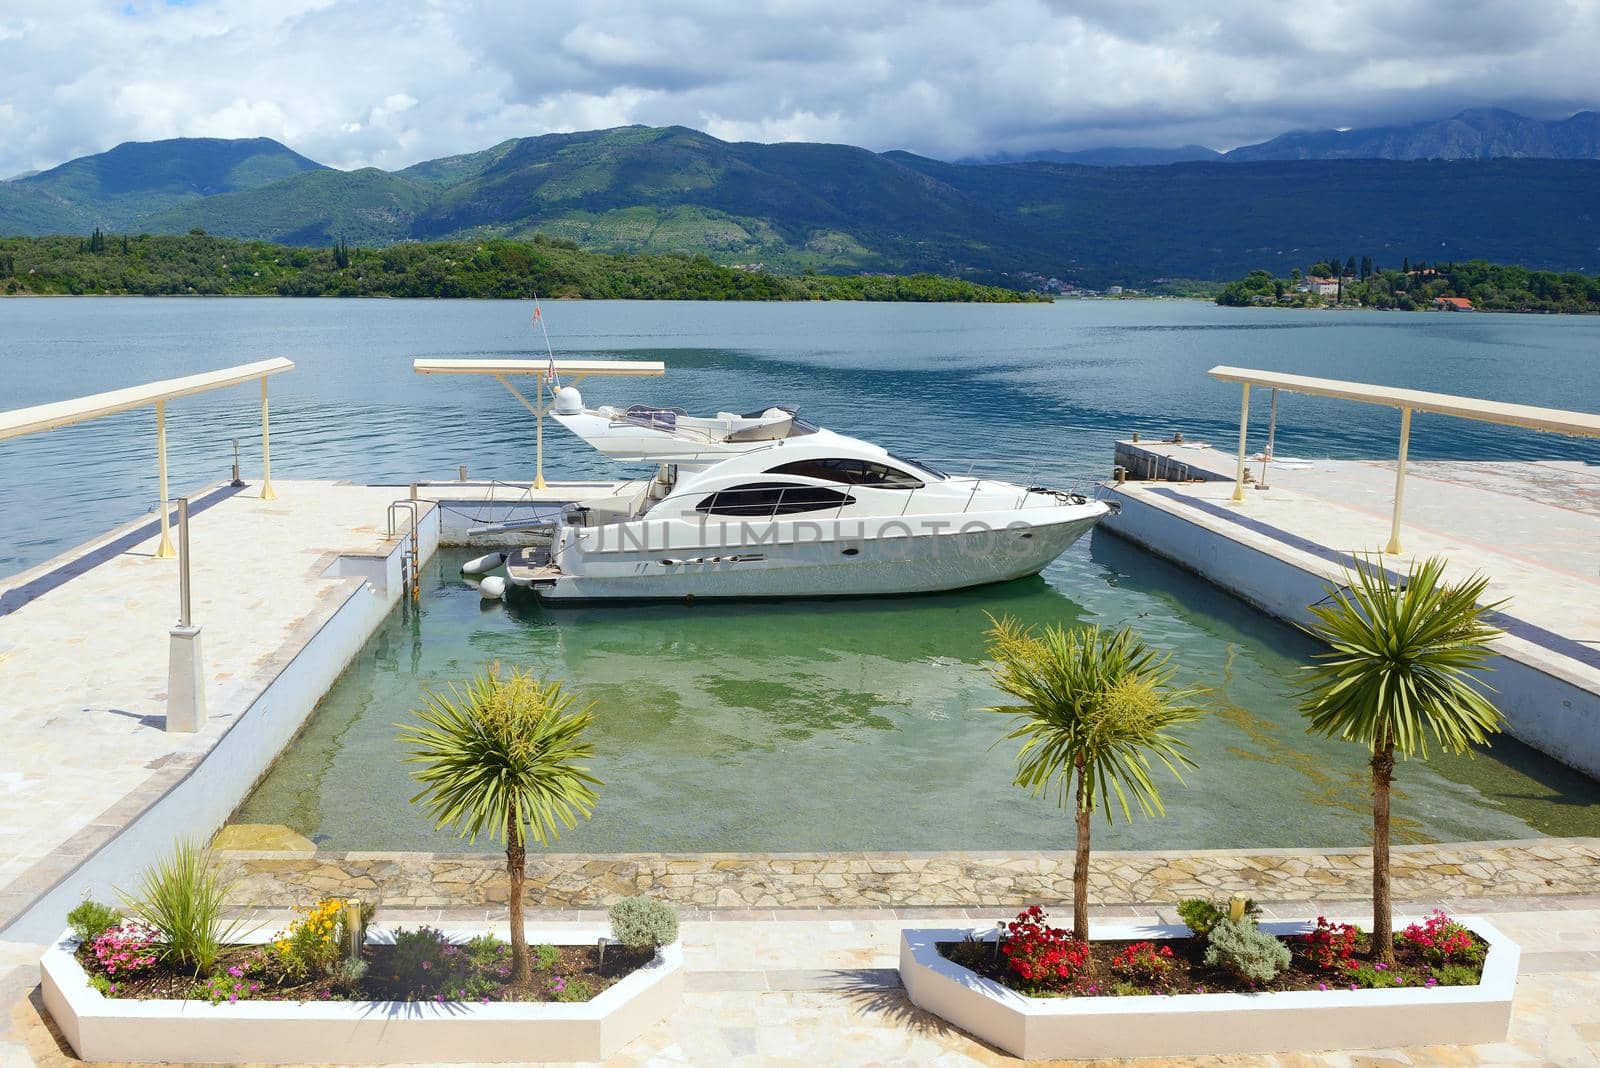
(568, 401)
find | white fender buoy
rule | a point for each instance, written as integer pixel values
(492, 588)
(487, 562)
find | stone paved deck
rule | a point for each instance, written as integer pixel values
(83, 663)
(1532, 528)
(865, 880)
(806, 989)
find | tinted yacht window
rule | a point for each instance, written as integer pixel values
(850, 472)
(772, 498)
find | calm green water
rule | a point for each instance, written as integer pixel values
(816, 724)
(836, 724)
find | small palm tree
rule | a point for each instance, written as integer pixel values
(1401, 665)
(1096, 706)
(503, 756)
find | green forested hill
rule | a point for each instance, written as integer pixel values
(202, 264)
(837, 208)
(127, 185)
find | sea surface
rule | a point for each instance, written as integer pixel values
(805, 725)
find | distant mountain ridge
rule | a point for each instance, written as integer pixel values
(1111, 156)
(138, 178)
(838, 208)
(1477, 133)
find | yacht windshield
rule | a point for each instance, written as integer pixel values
(932, 472)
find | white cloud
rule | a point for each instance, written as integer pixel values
(389, 82)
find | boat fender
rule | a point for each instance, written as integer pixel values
(487, 562)
(492, 588)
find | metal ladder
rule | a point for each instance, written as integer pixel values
(410, 547)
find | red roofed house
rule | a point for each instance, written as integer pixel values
(1452, 303)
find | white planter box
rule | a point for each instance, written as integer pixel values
(1195, 1024)
(360, 1032)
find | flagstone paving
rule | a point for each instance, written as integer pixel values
(819, 988)
(83, 660)
(854, 880)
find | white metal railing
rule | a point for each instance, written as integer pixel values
(1064, 498)
(22, 421)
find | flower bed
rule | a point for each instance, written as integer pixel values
(1149, 991)
(248, 1010)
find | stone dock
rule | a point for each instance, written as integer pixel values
(1533, 529)
(285, 592)
(704, 882)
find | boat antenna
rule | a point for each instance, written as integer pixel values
(538, 320)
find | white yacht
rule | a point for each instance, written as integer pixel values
(642, 434)
(800, 512)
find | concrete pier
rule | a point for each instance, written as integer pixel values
(286, 591)
(1532, 528)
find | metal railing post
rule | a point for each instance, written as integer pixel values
(267, 492)
(1399, 481)
(185, 615)
(1272, 437)
(1244, 433)
(186, 692)
(164, 549)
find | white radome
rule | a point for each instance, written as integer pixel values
(568, 401)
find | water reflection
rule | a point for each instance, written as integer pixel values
(860, 724)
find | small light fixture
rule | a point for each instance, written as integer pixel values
(1236, 905)
(352, 926)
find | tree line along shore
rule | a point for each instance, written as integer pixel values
(198, 263)
(1476, 285)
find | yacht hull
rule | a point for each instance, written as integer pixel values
(824, 559)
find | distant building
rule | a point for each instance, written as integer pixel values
(1322, 287)
(1115, 291)
(1452, 303)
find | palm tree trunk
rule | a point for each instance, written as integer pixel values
(1080, 863)
(1382, 907)
(516, 868)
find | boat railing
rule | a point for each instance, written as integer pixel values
(794, 497)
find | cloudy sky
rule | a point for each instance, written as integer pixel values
(391, 82)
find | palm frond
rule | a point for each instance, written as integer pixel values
(1404, 661)
(503, 750)
(1102, 699)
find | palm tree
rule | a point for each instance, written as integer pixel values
(1095, 707)
(1401, 665)
(503, 756)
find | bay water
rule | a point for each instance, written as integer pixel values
(804, 725)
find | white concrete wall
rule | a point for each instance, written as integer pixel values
(1553, 715)
(199, 804)
(1083, 1028)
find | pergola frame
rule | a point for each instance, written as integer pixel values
(1548, 420)
(573, 371)
(20, 422)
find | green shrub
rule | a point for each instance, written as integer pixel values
(91, 919)
(1373, 976)
(640, 923)
(1456, 975)
(486, 950)
(425, 961)
(545, 957)
(1200, 915)
(185, 898)
(1245, 950)
(570, 989)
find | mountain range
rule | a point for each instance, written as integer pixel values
(837, 208)
(1477, 133)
